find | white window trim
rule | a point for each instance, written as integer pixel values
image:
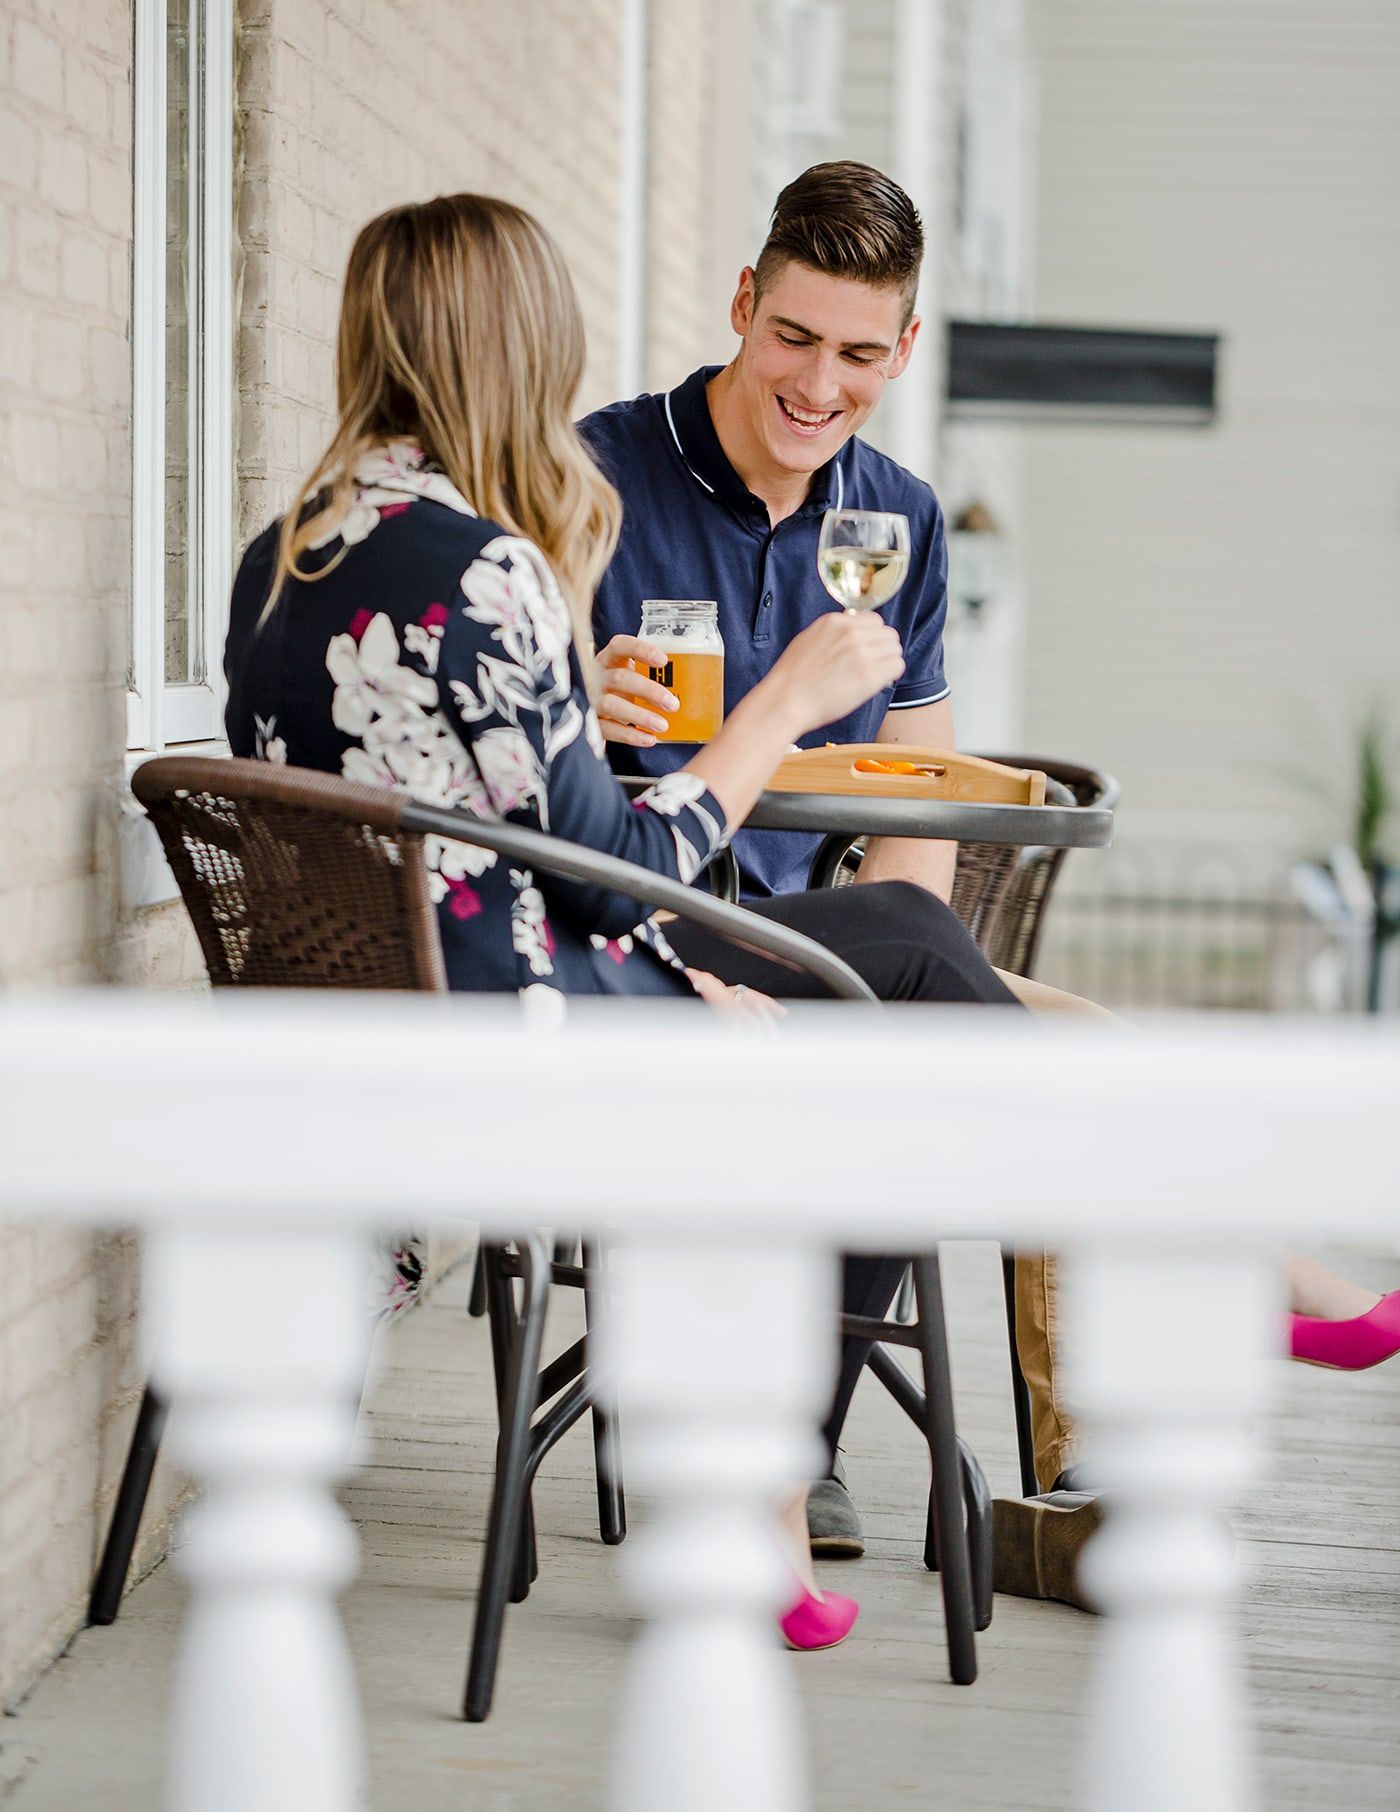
(159, 714)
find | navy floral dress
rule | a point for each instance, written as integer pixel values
(435, 657)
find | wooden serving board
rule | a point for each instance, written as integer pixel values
(833, 769)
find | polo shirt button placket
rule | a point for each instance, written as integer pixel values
(763, 621)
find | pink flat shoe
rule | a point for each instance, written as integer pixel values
(819, 1622)
(1348, 1346)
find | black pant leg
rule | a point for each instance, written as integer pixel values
(868, 1287)
(901, 939)
(908, 945)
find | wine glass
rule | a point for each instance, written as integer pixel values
(863, 556)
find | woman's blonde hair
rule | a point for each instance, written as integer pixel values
(460, 330)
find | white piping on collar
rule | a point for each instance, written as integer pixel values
(671, 422)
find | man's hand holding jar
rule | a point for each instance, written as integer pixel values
(666, 684)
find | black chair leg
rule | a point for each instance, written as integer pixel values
(977, 1504)
(476, 1296)
(607, 1449)
(499, 1290)
(107, 1588)
(509, 1494)
(977, 1500)
(1020, 1396)
(949, 1538)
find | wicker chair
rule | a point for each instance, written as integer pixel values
(1001, 893)
(296, 879)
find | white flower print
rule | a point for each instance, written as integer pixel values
(403, 743)
(523, 606)
(549, 614)
(618, 948)
(505, 688)
(419, 754)
(424, 638)
(593, 734)
(402, 468)
(651, 934)
(367, 509)
(455, 862)
(529, 928)
(370, 684)
(512, 772)
(672, 793)
(689, 860)
(267, 744)
(544, 1009)
(496, 595)
(561, 728)
(387, 479)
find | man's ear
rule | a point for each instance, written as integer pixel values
(904, 348)
(742, 307)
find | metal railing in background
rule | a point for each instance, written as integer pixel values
(1199, 933)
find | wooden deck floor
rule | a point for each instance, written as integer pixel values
(1321, 1619)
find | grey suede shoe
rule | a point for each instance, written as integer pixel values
(1037, 1542)
(833, 1523)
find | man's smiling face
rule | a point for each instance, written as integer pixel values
(817, 354)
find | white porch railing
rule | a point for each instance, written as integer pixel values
(253, 1135)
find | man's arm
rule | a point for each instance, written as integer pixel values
(917, 859)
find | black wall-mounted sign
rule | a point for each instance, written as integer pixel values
(1022, 373)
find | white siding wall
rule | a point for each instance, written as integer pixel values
(1212, 608)
(970, 268)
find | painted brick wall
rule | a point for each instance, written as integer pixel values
(687, 61)
(344, 106)
(68, 1377)
(348, 108)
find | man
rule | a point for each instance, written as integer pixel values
(724, 482)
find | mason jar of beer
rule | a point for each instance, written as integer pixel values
(687, 632)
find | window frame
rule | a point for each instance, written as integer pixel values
(159, 712)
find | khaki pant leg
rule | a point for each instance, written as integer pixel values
(1037, 1329)
(1041, 999)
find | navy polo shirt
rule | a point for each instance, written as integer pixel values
(692, 529)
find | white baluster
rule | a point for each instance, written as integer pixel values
(262, 1346)
(724, 1360)
(1169, 1363)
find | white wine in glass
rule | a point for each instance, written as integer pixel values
(863, 556)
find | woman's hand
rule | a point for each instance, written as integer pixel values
(835, 664)
(631, 707)
(741, 1002)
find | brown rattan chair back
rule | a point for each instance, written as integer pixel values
(294, 879)
(1013, 939)
(1000, 891)
(983, 875)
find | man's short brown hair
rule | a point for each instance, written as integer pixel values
(846, 220)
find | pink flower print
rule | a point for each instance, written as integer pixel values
(391, 509)
(548, 936)
(435, 617)
(360, 622)
(615, 951)
(463, 902)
